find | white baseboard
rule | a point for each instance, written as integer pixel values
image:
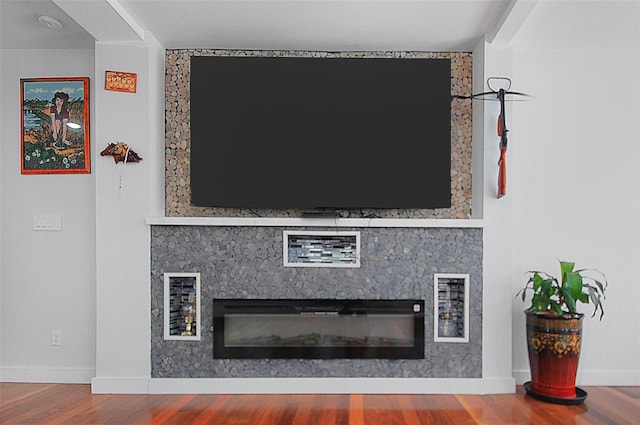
(120, 385)
(521, 376)
(47, 375)
(331, 386)
(302, 386)
(142, 385)
(592, 377)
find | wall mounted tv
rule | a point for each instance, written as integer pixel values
(320, 133)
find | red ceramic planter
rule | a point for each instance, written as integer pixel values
(554, 350)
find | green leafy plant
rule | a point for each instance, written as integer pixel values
(560, 296)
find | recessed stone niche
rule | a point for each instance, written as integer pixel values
(177, 136)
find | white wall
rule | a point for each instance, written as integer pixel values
(47, 279)
(91, 280)
(578, 136)
(122, 235)
(498, 225)
(576, 171)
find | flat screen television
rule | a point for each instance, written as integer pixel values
(320, 133)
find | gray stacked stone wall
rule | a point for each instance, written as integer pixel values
(247, 262)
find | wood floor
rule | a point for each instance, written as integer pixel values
(52, 404)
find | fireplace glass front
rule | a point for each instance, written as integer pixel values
(318, 328)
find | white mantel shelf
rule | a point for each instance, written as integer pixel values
(316, 222)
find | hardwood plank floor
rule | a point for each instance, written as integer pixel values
(69, 404)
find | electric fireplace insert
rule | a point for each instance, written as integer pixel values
(318, 329)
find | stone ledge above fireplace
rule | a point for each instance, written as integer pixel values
(318, 222)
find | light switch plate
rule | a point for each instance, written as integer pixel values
(47, 222)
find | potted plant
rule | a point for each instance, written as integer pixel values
(554, 329)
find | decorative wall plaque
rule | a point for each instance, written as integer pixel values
(120, 81)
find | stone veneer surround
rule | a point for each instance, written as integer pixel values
(177, 136)
(246, 262)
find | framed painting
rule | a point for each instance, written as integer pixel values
(54, 124)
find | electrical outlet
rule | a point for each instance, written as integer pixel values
(56, 337)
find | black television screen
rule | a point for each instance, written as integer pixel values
(317, 133)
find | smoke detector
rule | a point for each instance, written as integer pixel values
(50, 23)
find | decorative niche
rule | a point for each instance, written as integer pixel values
(321, 249)
(451, 307)
(182, 306)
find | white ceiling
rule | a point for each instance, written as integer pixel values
(329, 25)
(19, 27)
